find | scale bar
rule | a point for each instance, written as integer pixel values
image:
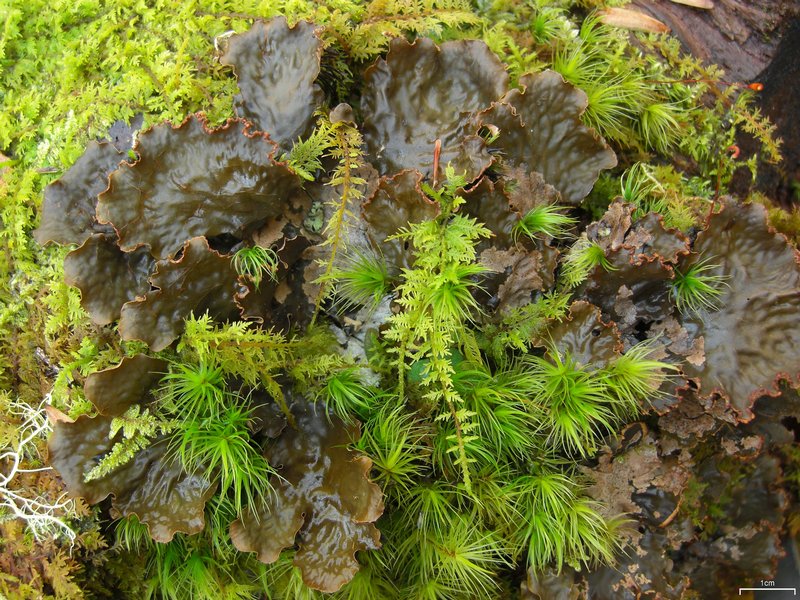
(769, 589)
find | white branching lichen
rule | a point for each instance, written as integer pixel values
(42, 516)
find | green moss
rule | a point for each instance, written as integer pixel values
(785, 221)
(544, 221)
(449, 450)
(256, 262)
(581, 259)
(696, 287)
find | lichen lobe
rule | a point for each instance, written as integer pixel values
(323, 497)
(276, 67)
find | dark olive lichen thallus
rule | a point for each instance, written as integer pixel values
(276, 68)
(709, 513)
(540, 131)
(752, 332)
(738, 342)
(323, 502)
(153, 231)
(422, 93)
(152, 486)
(157, 234)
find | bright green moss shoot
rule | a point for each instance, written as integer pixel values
(697, 288)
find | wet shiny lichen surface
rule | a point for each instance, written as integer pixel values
(157, 234)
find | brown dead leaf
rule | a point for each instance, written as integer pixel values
(707, 4)
(56, 416)
(631, 19)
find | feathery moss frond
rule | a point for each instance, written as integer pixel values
(636, 184)
(463, 556)
(659, 125)
(241, 350)
(188, 568)
(220, 513)
(193, 391)
(514, 53)
(451, 296)
(447, 195)
(436, 299)
(503, 425)
(663, 191)
(305, 157)
(347, 151)
(546, 24)
(132, 535)
(446, 456)
(230, 344)
(591, 539)
(120, 454)
(635, 377)
(561, 526)
(521, 325)
(346, 395)
(372, 582)
(432, 506)
(139, 427)
(541, 501)
(575, 406)
(545, 490)
(491, 500)
(613, 101)
(384, 19)
(283, 580)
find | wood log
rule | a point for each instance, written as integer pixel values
(741, 36)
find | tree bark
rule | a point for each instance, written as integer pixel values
(780, 101)
(741, 36)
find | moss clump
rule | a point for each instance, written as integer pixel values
(480, 403)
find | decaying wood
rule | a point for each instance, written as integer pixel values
(739, 35)
(780, 101)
